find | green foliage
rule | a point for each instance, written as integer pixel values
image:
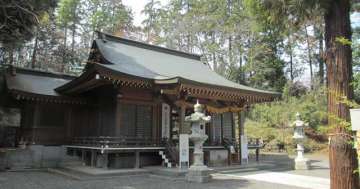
(19, 19)
(356, 85)
(223, 32)
(67, 12)
(356, 49)
(64, 34)
(295, 89)
(109, 16)
(343, 41)
(264, 62)
(272, 121)
(151, 23)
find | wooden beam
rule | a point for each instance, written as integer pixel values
(169, 91)
(93, 83)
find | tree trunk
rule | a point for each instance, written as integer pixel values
(33, 57)
(11, 54)
(215, 66)
(73, 28)
(291, 66)
(309, 57)
(242, 74)
(320, 36)
(291, 62)
(230, 51)
(64, 52)
(73, 43)
(342, 156)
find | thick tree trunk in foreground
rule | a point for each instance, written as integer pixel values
(343, 160)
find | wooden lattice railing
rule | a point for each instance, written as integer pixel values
(123, 141)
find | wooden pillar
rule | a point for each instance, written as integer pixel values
(35, 123)
(69, 127)
(93, 158)
(117, 116)
(74, 152)
(105, 164)
(155, 123)
(257, 151)
(83, 153)
(358, 144)
(221, 129)
(137, 159)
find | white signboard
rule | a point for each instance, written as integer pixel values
(244, 148)
(184, 151)
(165, 121)
(355, 119)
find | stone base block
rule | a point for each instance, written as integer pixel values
(199, 174)
(302, 164)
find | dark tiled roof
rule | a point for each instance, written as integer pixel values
(160, 64)
(36, 82)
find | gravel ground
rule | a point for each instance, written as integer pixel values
(47, 180)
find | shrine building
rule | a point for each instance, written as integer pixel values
(127, 106)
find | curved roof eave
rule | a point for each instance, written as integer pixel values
(159, 65)
(240, 90)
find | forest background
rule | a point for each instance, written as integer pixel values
(236, 39)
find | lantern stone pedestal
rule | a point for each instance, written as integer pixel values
(198, 172)
(301, 163)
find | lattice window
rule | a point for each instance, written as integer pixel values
(216, 128)
(128, 119)
(136, 120)
(227, 125)
(144, 121)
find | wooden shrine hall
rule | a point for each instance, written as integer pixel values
(128, 105)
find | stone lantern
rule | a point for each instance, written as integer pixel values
(198, 172)
(301, 163)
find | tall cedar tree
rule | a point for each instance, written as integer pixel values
(343, 159)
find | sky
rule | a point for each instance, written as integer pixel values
(137, 6)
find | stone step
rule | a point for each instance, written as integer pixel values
(169, 172)
(167, 177)
(77, 174)
(65, 173)
(70, 161)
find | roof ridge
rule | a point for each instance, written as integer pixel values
(106, 36)
(43, 73)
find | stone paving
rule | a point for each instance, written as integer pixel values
(236, 178)
(45, 180)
